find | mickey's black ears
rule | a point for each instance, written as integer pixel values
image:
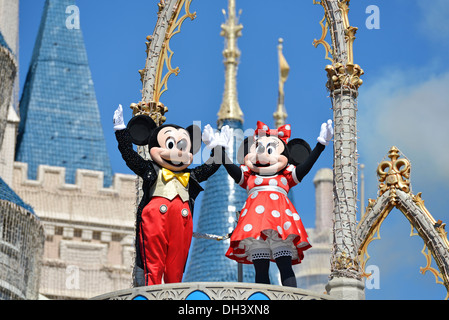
(140, 129)
(244, 149)
(298, 150)
(195, 136)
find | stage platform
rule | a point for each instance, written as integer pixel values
(213, 291)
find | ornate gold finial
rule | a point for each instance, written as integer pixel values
(231, 31)
(281, 114)
(394, 174)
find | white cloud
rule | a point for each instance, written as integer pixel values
(410, 110)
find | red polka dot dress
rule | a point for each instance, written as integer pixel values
(268, 218)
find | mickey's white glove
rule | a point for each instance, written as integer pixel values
(326, 133)
(225, 137)
(119, 124)
(210, 138)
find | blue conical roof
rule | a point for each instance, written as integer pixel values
(221, 199)
(7, 194)
(60, 121)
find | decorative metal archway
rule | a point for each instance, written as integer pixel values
(395, 192)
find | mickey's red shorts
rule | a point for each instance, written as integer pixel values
(165, 236)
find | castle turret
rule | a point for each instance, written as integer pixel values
(60, 120)
(21, 232)
(313, 273)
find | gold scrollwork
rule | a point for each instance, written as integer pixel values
(167, 54)
(350, 31)
(322, 41)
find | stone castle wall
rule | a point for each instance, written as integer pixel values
(89, 230)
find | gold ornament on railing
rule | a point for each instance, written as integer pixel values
(395, 173)
(341, 77)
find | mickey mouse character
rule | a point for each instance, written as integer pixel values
(269, 226)
(164, 215)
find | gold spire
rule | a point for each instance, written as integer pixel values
(281, 114)
(231, 31)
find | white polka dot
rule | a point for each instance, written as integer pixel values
(287, 127)
(288, 212)
(287, 225)
(284, 181)
(275, 213)
(280, 133)
(273, 182)
(260, 209)
(274, 196)
(296, 217)
(265, 128)
(254, 194)
(244, 212)
(279, 229)
(258, 181)
(247, 228)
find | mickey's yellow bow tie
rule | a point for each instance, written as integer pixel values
(182, 177)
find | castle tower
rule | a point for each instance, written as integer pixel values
(60, 121)
(9, 48)
(21, 232)
(9, 28)
(63, 171)
(8, 74)
(9, 23)
(313, 272)
(222, 196)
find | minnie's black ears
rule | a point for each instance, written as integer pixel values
(244, 149)
(195, 136)
(299, 150)
(140, 129)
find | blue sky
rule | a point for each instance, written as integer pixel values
(403, 101)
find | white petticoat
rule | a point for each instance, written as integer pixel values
(270, 248)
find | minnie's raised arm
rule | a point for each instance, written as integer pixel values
(326, 134)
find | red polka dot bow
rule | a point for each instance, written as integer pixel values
(283, 132)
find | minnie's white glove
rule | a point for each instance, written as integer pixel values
(226, 137)
(326, 133)
(119, 124)
(209, 137)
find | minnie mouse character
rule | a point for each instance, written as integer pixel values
(164, 215)
(269, 226)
